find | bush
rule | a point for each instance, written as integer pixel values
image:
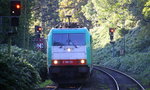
(36, 58)
(29, 66)
(146, 11)
(17, 74)
(123, 31)
(136, 64)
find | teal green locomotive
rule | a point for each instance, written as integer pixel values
(69, 55)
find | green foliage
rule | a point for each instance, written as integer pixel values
(115, 13)
(45, 83)
(4, 7)
(135, 7)
(16, 73)
(146, 10)
(123, 31)
(110, 13)
(136, 64)
(127, 17)
(141, 41)
(88, 10)
(36, 59)
(72, 7)
(137, 58)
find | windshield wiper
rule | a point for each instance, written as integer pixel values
(69, 41)
(58, 44)
(61, 46)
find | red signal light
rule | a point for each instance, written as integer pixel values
(18, 6)
(111, 33)
(112, 30)
(40, 29)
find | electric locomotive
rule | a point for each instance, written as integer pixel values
(69, 54)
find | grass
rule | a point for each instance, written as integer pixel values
(45, 83)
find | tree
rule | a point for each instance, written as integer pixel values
(146, 11)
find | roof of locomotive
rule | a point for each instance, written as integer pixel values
(69, 30)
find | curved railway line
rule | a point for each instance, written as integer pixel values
(104, 79)
(121, 81)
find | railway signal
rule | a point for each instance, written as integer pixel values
(15, 7)
(111, 33)
(15, 10)
(38, 29)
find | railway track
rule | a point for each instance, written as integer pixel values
(104, 79)
(119, 80)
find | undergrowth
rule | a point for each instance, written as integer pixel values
(136, 60)
(23, 70)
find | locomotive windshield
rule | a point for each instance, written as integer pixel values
(71, 39)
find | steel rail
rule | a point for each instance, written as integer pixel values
(131, 78)
(114, 80)
(134, 80)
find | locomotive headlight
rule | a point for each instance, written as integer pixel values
(55, 62)
(69, 49)
(82, 61)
